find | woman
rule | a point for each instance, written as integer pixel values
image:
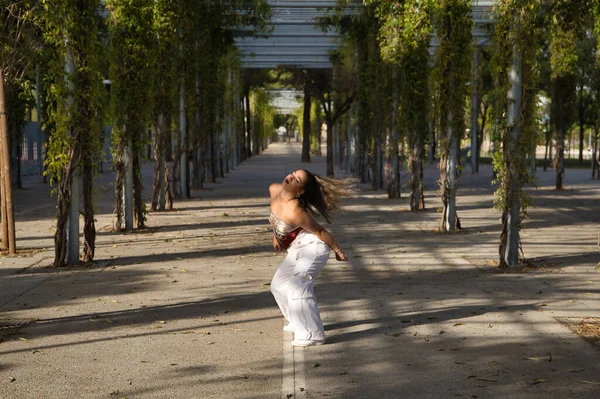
(294, 203)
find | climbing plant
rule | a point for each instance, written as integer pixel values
(516, 42)
(452, 71)
(133, 57)
(566, 22)
(74, 102)
(164, 98)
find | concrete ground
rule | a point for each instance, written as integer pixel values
(183, 309)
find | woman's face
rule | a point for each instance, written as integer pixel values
(295, 181)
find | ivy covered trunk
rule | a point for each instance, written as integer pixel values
(453, 70)
(133, 67)
(63, 206)
(515, 128)
(119, 165)
(563, 100)
(448, 177)
(160, 143)
(417, 105)
(393, 188)
(89, 227)
(509, 240)
(415, 168)
(138, 203)
(248, 122)
(377, 128)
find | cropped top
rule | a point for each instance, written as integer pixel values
(285, 233)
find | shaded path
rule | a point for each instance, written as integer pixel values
(183, 309)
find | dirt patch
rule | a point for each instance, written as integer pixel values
(527, 266)
(586, 327)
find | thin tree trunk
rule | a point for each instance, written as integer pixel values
(137, 191)
(481, 131)
(559, 159)
(394, 183)
(89, 227)
(119, 164)
(158, 181)
(595, 155)
(7, 197)
(63, 206)
(248, 123)
(511, 214)
(329, 123)
(214, 153)
(415, 162)
(306, 125)
(581, 125)
(422, 194)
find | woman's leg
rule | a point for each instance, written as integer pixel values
(280, 283)
(303, 310)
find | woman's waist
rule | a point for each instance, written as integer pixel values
(304, 238)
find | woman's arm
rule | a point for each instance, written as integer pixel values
(304, 220)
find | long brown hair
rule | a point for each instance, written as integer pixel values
(322, 194)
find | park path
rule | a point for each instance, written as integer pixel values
(183, 308)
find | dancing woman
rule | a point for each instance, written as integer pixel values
(294, 203)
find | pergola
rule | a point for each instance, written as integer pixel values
(295, 41)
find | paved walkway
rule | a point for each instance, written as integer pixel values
(183, 308)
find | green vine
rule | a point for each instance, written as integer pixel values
(518, 31)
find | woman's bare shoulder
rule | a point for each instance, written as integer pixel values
(274, 188)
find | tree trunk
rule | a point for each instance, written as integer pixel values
(89, 228)
(119, 165)
(581, 124)
(481, 131)
(63, 199)
(248, 123)
(474, 111)
(306, 125)
(421, 190)
(214, 154)
(63, 206)
(415, 161)
(139, 211)
(394, 183)
(8, 221)
(329, 123)
(595, 155)
(559, 158)
(448, 174)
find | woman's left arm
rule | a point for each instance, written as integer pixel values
(305, 221)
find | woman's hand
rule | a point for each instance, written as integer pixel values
(276, 245)
(340, 256)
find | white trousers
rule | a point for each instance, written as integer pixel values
(293, 285)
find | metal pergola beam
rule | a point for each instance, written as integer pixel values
(296, 41)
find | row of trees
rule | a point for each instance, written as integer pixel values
(173, 70)
(174, 80)
(409, 101)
